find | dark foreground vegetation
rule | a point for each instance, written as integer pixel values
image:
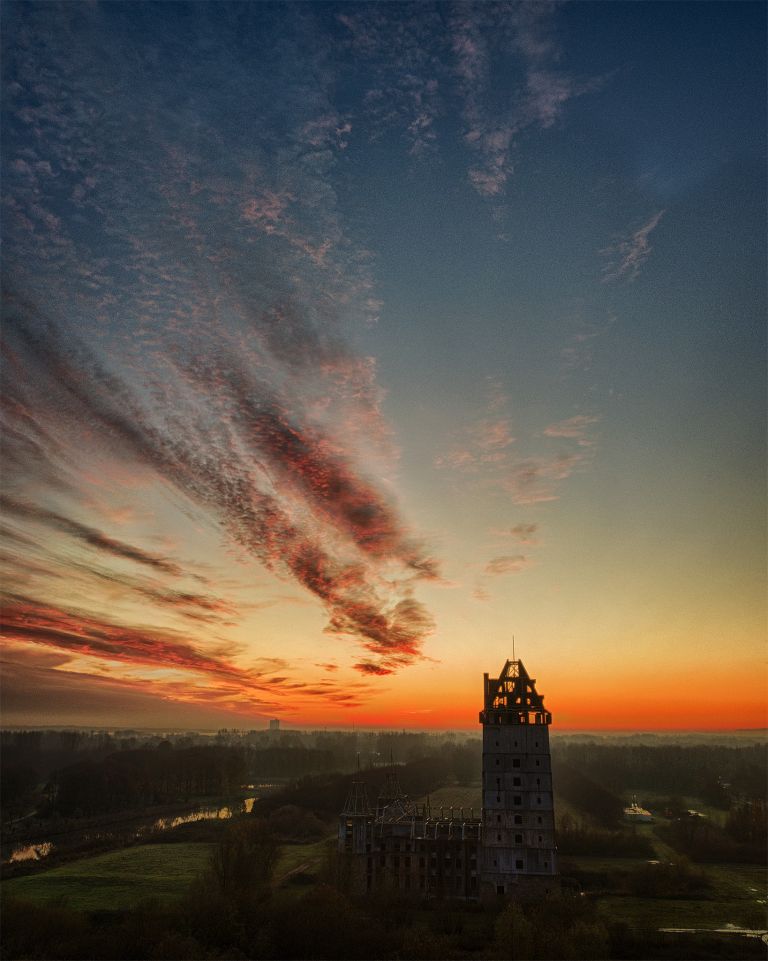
(268, 884)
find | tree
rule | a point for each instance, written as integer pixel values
(244, 860)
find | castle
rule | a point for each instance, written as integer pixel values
(508, 850)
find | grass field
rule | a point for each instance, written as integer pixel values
(736, 897)
(121, 879)
(117, 880)
(466, 797)
(674, 913)
(309, 857)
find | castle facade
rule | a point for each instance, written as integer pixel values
(508, 850)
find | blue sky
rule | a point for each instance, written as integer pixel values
(346, 340)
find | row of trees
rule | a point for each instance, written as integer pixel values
(146, 777)
(713, 773)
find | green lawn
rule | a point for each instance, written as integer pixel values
(673, 913)
(293, 856)
(737, 897)
(117, 880)
(456, 795)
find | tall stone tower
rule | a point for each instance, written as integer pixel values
(518, 839)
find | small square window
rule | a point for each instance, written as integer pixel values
(518, 839)
(516, 781)
(517, 799)
(519, 819)
(519, 864)
(516, 762)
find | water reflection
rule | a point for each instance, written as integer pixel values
(31, 852)
(39, 850)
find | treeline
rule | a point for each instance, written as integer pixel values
(742, 838)
(325, 795)
(573, 838)
(146, 777)
(711, 772)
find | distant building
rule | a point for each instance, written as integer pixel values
(274, 725)
(636, 814)
(508, 850)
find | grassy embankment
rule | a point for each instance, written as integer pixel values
(119, 880)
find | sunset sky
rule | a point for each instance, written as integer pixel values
(343, 342)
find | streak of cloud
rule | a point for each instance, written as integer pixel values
(88, 535)
(507, 564)
(627, 256)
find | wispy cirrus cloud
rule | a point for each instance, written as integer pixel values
(536, 480)
(224, 292)
(506, 52)
(25, 621)
(275, 486)
(627, 255)
(522, 533)
(485, 453)
(88, 535)
(507, 564)
(574, 428)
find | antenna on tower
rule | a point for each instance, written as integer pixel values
(513, 647)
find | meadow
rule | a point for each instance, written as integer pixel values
(118, 880)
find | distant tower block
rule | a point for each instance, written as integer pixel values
(518, 843)
(274, 725)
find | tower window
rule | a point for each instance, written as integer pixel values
(539, 820)
(498, 761)
(517, 799)
(516, 781)
(538, 800)
(518, 839)
(498, 837)
(516, 762)
(498, 817)
(538, 762)
(519, 865)
(519, 819)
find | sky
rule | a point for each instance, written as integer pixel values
(344, 343)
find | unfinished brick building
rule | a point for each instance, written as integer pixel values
(509, 849)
